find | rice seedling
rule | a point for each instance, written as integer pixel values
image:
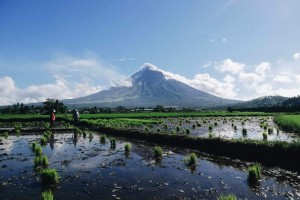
(49, 177)
(187, 131)
(146, 129)
(210, 128)
(254, 173)
(127, 147)
(244, 131)
(5, 134)
(113, 143)
(194, 126)
(235, 128)
(18, 132)
(177, 129)
(270, 131)
(102, 139)
(47, 195)
(227, 197)
(265, 136)
(84, 134)
(158, 130)
(91, 135)
(191, 159)
(43, 140)
(38, 151)
(216, 124)
(158, 152)
(41, 162)
(210, 135)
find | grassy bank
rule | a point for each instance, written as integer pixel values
(271, 153)
(288, 122)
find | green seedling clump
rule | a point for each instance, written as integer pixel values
(113, 143)
(254, 173)
(127, 147)
(191, 159)
(227, 197)
(47, 195)
(158, 152)
(49, 177)
(41, 162)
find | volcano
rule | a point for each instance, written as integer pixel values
(150, 87)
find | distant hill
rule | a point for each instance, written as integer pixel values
(266, 101)
(150, 87)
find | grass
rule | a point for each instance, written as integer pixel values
(254, 173)
(41, 162)
(49, 177)
(47, 195)
(191, 159)
(288, 122)
(158, 152)
(227, 197)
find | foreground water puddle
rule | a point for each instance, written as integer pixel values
(91, 169)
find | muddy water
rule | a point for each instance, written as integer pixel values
(91, 170)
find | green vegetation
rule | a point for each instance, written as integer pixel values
(265, 136)
(47, 195)
(254, 173)
(49, 176)
(210, 128)
(5, 134)
(37, 149)
(44, 140)
(127, 147)
(158, 152)
(288, 122)
(102, 139)
(113, 143)
(191, 159)
(41, 162)
(244, 131)
(227, 197)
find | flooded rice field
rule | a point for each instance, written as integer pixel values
(225, 127)
(90, 169)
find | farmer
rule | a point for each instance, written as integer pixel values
(75, 116)
(52, 118)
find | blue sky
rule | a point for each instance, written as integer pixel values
(231, 48)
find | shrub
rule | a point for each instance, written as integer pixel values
(41, 161)
(191, 159)
(227, 197)
(158, 152)
(49, 177)
(113, 143)
(254, 173)
(127, 147)
(47, 195)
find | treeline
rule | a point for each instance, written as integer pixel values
(45, 108)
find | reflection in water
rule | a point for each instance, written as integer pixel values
(93, 171)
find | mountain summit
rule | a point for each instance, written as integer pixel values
(149, 87)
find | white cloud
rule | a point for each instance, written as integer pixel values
(229, 79)
(282, 79)
(250, 80)
(262, 68)
(230, 66)
(60, 89)
(296, 56)
(224, 40)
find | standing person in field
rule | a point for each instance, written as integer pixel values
(76, 117)
(52, 118)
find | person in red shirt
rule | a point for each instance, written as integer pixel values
(52, 118)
